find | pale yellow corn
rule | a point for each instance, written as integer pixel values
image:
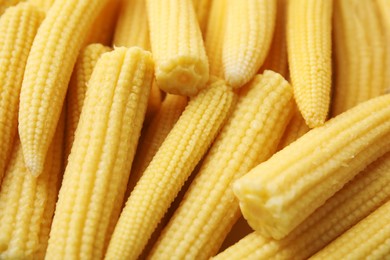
(360, 54)
(177, 46)
(247, 38)
(280, 193)
(365, 193)
(277, 56)
(176, 158)
(43, 4)
(27, 203)
(214, 36)
(309, 42)
(369, 239)
(99, 164)
(250, 136)
(18, 26)
(47, 74)
(78, 87)
(202, 9)
(4, 4)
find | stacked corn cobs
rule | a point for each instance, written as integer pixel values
(191, 129)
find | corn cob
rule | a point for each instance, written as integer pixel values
(309, 26)
(27, 203)
(178, 155)
(43, 4)
(100, 161)
(77, 88)
(360, 69)
(209, 209)
(365, 193)
(47, 74)
(248, 35)
(369, 239)
(177, 45)
(202, 8)
(277, 56)
(18, 26)
(215, 36)
(297, 180)
(4, 4)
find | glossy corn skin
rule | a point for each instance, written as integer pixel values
(209, 208)
(177, 46)
(202, 9)
(47, 74)
(247, 39)
(291, 185)
(369, 239)
(357, 199)
(176, 158)
(99, 164)
(18, 26)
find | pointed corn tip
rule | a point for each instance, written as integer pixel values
(34, 165)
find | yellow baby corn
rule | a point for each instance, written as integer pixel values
(365, 193)
(360, 69)
(4, 4)
(177, 45)
(279, 194)
(100, 161)
(18, 26)
(48, 70)
(248, 35)
(78, 87)
(176, 158)
(27, 203)
(43, 4)
(250, 136)
(309, 27)
(202, 9)
(369, 239)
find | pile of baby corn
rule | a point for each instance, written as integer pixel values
(194, 129)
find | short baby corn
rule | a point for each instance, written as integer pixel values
(248, 35)
(177, 46)
(18, 26)
(176, 158)
(100, 161)
(209, 208)
(309, 25)
(369, 239)
(48, 70)
(279, 194)
(365, 193)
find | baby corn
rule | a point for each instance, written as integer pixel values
(294, 182)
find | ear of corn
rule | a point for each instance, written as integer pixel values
(369, 239)
(297, 180)
(309, 54)
(248, 35)
(78, 87)
(365, 193)
(43, 4)
(209, 209)
(360, 69)
(48, 70)
(100, 161)
(27, 203)
(202, 8)
(177, 46)
(174, 161)
(18, 26)
(4, 4)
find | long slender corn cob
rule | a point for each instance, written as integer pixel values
(48, 71)
(309, 26)
(43, 4)
(202, 9)
(297, 180)
(78, 87)
(27, 203)
(214, 37)
(178, 155)
(248, 35)
(100, 161)
(360, 69)
(177, 45)
(365, 193)
(18, 26)
(209, 209)
(369, 239)
(277, 56)
(4, 4)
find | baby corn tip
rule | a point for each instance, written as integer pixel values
(33, 165)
